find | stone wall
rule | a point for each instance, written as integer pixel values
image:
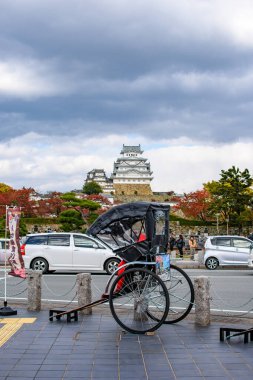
(132, 189)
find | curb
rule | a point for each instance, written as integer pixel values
(185, 264)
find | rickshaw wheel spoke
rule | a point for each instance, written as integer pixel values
(181, 292)
(139, 301)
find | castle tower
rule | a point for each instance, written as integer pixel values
(99, 176)
(131, 172)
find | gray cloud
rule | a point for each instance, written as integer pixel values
(165, 70)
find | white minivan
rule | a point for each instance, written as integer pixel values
(226, 250)
(65, 251)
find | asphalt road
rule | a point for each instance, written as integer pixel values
(231, 290)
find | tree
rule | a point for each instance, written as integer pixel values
(19, 198)
(84, 207)
(4, 188)
(71, 220)
(92, 188)
(51, 206)
(194, 205)
(231, 195)
(71, 201)
(98, 198)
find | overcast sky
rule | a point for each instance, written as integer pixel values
(80, 78)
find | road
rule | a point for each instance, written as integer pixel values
(231, 290)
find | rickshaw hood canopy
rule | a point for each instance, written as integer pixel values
(131, 212)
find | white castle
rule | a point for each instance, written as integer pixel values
(131, 173)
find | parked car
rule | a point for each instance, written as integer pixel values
(4, 249)
(67, 252)
(227, 250)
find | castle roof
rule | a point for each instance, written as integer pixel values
(97, 171)
(131, 149)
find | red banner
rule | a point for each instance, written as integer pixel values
(16, 260)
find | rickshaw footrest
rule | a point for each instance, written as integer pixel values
(71, 315)
(226, 331)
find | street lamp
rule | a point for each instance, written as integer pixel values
(227, 220)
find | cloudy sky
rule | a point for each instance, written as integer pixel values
(80, 78)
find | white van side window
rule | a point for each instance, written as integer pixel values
(59, 240)
(82, 241)
(37, 240)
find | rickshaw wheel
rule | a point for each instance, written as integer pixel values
(181, 292)
(135, 295)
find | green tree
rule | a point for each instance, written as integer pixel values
(71, 220)
(92, 188)
(231, 195)
(82, 207)
(71, 201)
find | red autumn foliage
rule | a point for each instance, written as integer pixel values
(194, 205)
(19, 198)
(51, 206)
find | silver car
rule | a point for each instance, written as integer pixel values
(227, 250)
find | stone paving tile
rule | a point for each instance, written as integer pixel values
(28, 374)
(50, 374)
(14, 378)
(77, 373)
(96, 348)
(128, 376)
(26, 367)
(75, 377)
(219, 377)
(53, 367)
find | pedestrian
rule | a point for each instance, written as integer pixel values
(192, 245)
(172, 242)
(180, 243)
(250, 236)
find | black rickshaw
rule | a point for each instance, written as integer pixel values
(146, 290)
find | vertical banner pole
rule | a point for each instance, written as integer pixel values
(6, 310)
(5, 254)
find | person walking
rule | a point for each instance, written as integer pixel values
(192, 245)
(180, 243)
(172, 242)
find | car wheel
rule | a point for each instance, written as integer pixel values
(111, 265)
(212, 263)
(40, 264)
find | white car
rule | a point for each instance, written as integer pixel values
(227, 250)
(4, 250)
(67, 252)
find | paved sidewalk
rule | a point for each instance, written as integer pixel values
(96, 348)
